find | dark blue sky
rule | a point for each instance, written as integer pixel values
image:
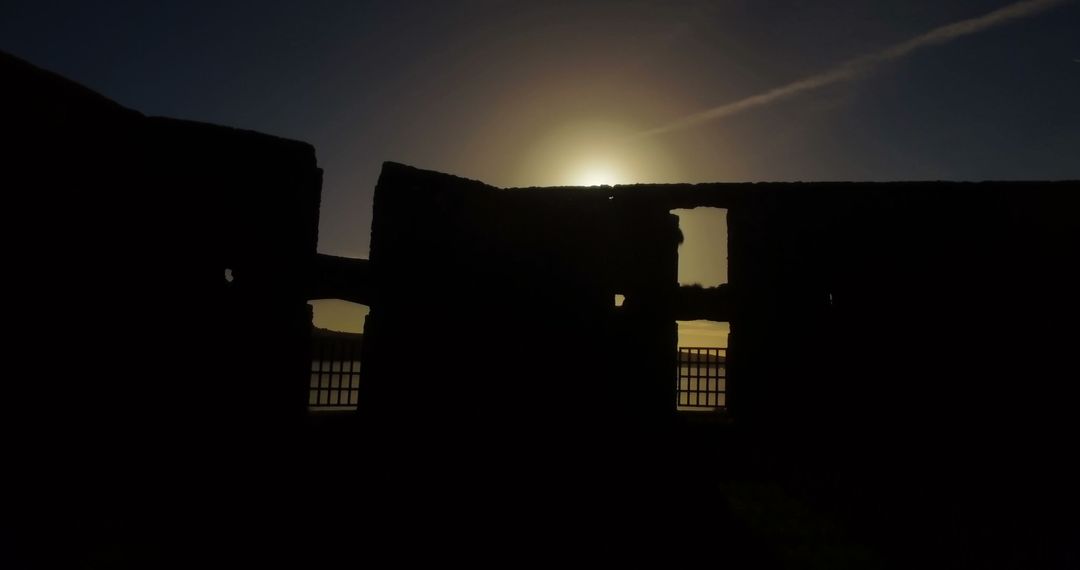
(520, 93)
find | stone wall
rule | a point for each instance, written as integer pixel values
(159, 311)
(902, 345)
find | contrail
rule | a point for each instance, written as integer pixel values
(854, 67)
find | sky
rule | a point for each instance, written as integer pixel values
(558, 92)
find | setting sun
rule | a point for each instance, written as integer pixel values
(598, 174)
(594, 153)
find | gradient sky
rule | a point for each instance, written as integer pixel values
(554, 92)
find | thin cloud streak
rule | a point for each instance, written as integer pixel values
(855, 67)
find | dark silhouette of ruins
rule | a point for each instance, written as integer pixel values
(902, 357)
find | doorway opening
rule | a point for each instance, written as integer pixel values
(336, 341)
(701, 378)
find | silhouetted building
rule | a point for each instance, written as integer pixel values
(179, 256)
(900, 348)
(902, 351)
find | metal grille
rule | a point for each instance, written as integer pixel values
(702, 379)
(335, 372)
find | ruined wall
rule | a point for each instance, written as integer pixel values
(161, 373)
(896, 345)
(901, 344)
(511, 287)
(817, 270)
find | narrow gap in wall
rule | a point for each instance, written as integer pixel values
(702, 348)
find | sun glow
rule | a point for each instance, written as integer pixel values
(599, 174)
(594, 154)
